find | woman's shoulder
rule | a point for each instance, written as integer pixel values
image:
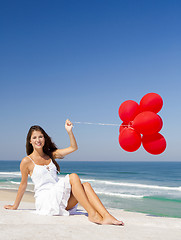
(25, 165)
(25, 161)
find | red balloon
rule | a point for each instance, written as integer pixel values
(128, 110)
(122, 126)
(147, 123)
(154, 144)
(151, 102)
(129, 139)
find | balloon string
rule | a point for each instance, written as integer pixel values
(103, 124)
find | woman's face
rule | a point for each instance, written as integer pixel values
(37, 140)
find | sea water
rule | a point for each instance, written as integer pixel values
(149, 187)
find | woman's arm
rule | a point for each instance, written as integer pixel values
(59, 153)
(22, 186)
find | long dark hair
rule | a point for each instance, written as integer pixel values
(48, 148)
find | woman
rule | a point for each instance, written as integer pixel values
(55, 196)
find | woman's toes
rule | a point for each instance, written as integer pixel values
(112, 221)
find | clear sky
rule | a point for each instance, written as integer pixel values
(80, 60)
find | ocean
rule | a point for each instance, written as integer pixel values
(153, 188)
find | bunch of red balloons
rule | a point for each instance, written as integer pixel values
(141, 124)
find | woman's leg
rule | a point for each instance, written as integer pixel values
(97, 204)
(80, 195)
(90, 200)
(94, 199)
(71, 202)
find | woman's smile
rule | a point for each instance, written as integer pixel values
(37, 139)
(38, 144)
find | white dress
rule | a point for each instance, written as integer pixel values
(51, 193)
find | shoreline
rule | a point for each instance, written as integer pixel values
(9, 195)
(23, 222)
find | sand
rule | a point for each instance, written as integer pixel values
(24, 224)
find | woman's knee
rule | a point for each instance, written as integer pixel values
(87, 186)
(73, 177)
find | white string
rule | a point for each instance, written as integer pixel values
(103, 124)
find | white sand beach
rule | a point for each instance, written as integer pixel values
(24, 224)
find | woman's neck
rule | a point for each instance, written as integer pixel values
(38, 153)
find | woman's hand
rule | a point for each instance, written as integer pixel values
(59, 153)
(11, 207)
(68, 125)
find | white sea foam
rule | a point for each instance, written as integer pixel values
(12, 188)
(11, 173)
(106, 182)
(88, 180)
(15, 182)
(29, 183)
(134, 185)
(120, 195)
(7, 188)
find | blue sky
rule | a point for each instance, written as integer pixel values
(80, 60)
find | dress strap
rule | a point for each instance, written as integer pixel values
(31, 160)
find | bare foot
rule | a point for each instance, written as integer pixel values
(10, 207)
(109, 219)
(95, 218)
